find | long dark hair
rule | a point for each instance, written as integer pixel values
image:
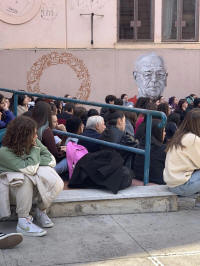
(19, 135)
(156, 132)
(142, 102)
(174, 117)
(163, 107)
(180, 104)
(42, 114)
(20, 101)
(190, 124)
(171, 100)
(1, 97)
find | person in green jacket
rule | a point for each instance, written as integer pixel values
(23, 153)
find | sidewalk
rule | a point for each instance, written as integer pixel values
(132, 239)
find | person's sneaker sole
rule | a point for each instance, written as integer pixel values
(10, 240)
(25, 233)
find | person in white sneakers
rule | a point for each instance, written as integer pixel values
(26, 172)
(10, 240)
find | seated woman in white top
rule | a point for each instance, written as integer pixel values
(182, 165)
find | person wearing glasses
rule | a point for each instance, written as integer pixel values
(150, 75)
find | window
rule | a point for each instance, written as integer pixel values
(136, 20)
(180, 20)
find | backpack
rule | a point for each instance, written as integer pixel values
(74, 153)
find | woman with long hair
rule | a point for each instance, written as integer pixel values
(173, 121)
(22, 106)
(173, 102)
(164, 107)
(141, 103)
(24, 162)
(42, 115)
(181, 109)
(182, 166)
(157, 156)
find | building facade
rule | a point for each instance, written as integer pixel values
(87, 48)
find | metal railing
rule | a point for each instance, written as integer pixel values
(148, 113)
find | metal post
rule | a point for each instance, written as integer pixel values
(92, 28)
(15, 103)
(147, 148)
(92, 24)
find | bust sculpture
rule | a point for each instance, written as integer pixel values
(150, 75)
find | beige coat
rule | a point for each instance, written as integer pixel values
(182, 162)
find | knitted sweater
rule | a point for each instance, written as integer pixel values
(27, 163)
(181, 163)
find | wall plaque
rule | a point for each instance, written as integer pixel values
(18, 11)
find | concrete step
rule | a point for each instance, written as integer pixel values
(135, 199)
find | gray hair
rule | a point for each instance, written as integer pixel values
(93, 121)
(142, 59)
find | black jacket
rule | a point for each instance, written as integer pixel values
(157, 164)
(102, 169)
(113, 134)
(170, 130)
(90, 146)
(182, 114)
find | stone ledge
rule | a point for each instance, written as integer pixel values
(134, 199)
(97, 194)
(186, 203)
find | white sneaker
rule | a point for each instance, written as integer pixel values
(43, 220)
(28, 228)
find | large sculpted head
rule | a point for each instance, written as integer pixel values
(150, 75)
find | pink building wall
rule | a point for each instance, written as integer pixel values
(28, 60)
(92, 74)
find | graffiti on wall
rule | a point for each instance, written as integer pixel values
(87, 4)
(49, 10)
(55, 58)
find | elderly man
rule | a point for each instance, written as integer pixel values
(94, 127)
(150, 75)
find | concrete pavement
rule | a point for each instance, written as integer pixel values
(129, 239)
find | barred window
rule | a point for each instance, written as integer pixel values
(180, 20)
(136, 20)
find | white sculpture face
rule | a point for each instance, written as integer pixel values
(150, 76)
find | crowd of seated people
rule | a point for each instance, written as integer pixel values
(107, 124)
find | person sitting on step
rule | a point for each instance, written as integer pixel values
(26, 171)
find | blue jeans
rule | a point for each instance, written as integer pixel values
(61, 167)
(191, 187)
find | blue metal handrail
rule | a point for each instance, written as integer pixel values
(148, 113)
